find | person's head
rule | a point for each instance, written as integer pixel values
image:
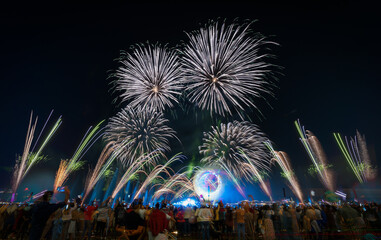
(47, 196)
(157, 205)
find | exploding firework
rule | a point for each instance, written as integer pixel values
(29, 158)
(284, 162)
(225, 145)
(317, 155)
(69, 166)
(149, 78)
(224, 68)
(140, 131)
(356, 153)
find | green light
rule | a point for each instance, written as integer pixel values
(347, 156)
(36, 157)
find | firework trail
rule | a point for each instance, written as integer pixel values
(135, 168)
(149, 78)
(178, 186)
(29, 158)
(224, 68)
(251, 170)
(99, 170)
(223, 147)
(145, 131)
(356, 153)
(102, 165)
(74, 163)
(362, 149)
(233, 177)
(316, 153)
(284, 162)
(155, 174)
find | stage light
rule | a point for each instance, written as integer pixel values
(208, 184)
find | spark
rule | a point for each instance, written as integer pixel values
(29, 159)
(223, 147)
(252, 170)
(284, 162)
(224, 68)
(135, 167)
(155, 174)
(144, 131)
(178, 186)
(74, 163)
(149, 78)
(316, 153)
(99, 170)
(356, 154)
(233, 177)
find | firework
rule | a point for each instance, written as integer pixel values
(224, 68)
(74, 163)
(233, 177)
(99, 170)
(224, 145)
(284, 162)
(155, 174)
(316, 153)
(252, 170)
(135, 168)
(178, 185)
(30, 158)
(356, 153)
(141, 132)
(149, 78)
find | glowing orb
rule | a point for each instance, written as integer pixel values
(208, 184)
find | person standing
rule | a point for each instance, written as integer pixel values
(88, 214)
(158, 223)
(229, 222)
(67, 218)
(268, 223)
(205, 216)
(240, 218)
(180, 221)
(221, 216)
(188, 213)
(42, 211)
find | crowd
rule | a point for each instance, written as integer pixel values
(74, 220)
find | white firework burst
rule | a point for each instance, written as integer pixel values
(234, 145)
(138, 132)
(149, 78)
(224, 68)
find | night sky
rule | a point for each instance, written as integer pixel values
(60, 58)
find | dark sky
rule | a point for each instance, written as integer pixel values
(59, 58)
